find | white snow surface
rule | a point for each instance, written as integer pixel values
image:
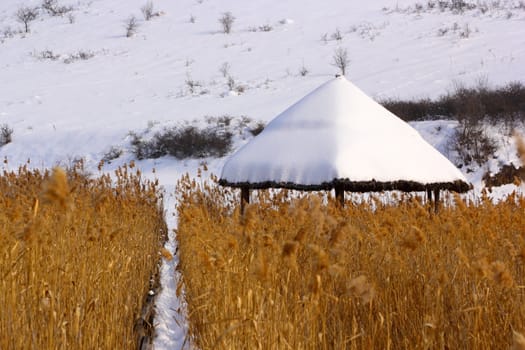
(61, 111)
(338, 132)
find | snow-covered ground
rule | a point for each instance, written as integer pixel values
(75, 85)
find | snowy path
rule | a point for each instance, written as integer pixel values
(170, 321)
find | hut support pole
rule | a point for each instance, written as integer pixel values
(436, 200)
(245, 198)
(429, 195)
(340, 195)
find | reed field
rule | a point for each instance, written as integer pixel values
(76, 258)
(299, 272)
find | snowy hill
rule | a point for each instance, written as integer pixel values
(64, 110)
(75, 85)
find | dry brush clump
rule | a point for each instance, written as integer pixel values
(6, 134)
(500, 104)
(301, 273)
(192, 140)
(77, 257)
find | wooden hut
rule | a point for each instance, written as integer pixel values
(338, 138)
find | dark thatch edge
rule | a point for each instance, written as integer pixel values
(356, 186)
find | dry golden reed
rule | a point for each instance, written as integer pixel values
(519, 341)
(76, 259)
(56, 188)
(306, 274)
(520, 146)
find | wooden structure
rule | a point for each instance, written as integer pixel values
(338, 139)
(433, 191)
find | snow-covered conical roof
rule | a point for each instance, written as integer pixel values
(337, 135)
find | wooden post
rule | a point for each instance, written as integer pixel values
(245, 198)
(340, 195)
(429, 200)
(436, 200)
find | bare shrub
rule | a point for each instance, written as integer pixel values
(226, 21)
(422, 109)
(112, 154)
(465, 32)
(54, 9)
(139, 146)
(257, 129)
(337, 35)
(6, 135)
(472, 144)
(191, 140)
(192, 84)
(62, 10)
(442, 31)
(231, 83)
(223, 121)
(49, 5)
(240, 89)
(8, 32)
(79, 56)
(85, 55)
(26, 15)
(131, 25)
(70, 58)
(234, 86)
(483, 8)
(506, 103)
(147, 10)
(184, 142)
(224, 69)
(455, 6)
(459, 5)
(303, 71)
(508, 174)
(265, 28)
(241, 123)
(340, 60)
(48, 55)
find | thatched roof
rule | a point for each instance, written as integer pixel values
(338, 137)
